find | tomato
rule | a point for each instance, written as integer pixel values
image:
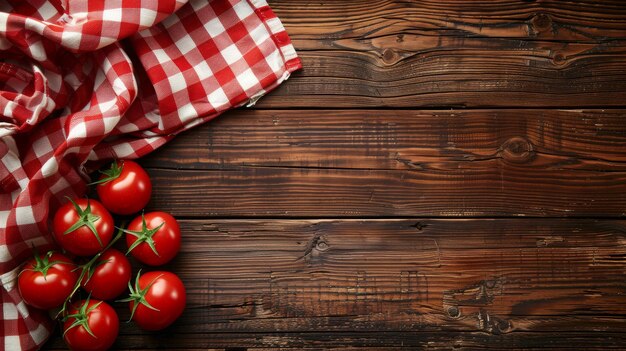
(125, 188)
(83, 227)
(110, 276)
(153, 238)
(90, 325)
(46, 281)
(157, 300)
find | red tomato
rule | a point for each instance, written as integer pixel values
(153, 238)
(110, 276)
(90, 325)
(157, 300)
(46, 281)
(125, 188)
(83, 227)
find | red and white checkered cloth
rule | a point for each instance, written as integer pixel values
(72, 95)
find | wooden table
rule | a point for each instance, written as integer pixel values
(442, 174)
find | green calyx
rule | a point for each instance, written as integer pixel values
(81, 317)
(87, 270)
(111, 174)
(85, 218)
(138, 295)
(144, 236)
(43, 263)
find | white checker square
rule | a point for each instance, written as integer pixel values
(147, 17)
(34, 25)
(161, 56)
(42, 146)
(37, 51)
(247, 79)
(9, 311)
(243, 9)
(259, 35)
(50, 167)
(12, 343)
(231, 54)
(4, 216)
(177, 82)
(39, 335)
(78, 130)
(275, 61)
(47, 11)
(112, 14)
(123, 150)
(21, 307)
(214, 27)
(187, 113)
(8, 108)
(24, 215)
(218, 98)
(185, 44)
(5, 255)
(4, 17)
(203, 70)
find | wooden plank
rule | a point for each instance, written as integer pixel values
(454, 53)
(365, 341)
(384, 283)
(396, 163)
(451, 77)
(567, 21)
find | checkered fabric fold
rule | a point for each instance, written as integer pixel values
(82, 82)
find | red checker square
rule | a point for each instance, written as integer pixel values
(220, 7)
(181, 63)
(196, 91)
(163, 39)
(156, 74)
(254, 56)
(167, 104)
(191, 22)
(225, 76)
(237, 32)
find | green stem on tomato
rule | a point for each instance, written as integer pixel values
(86, 268)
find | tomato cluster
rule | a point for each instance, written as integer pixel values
(84, 229)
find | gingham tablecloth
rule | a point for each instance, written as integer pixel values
(73, 94)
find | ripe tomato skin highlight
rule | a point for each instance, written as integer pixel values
(127, 194)
(166, 239)
(50, 291)
(167, 294)
(109, 279)
(102, 321)
(82, 241)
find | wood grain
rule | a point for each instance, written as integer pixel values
(566, 21)
(454, 53)
(396, 163)
(387, 283)
(308, 221)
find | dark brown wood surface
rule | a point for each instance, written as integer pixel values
(293, 163)
(445, 175)
(455, 53)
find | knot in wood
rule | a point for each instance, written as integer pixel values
(558, 59)
(517, 150)
(502, 326)
(541, 22)
(389, 56)
(454, 312)
(322, 246)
